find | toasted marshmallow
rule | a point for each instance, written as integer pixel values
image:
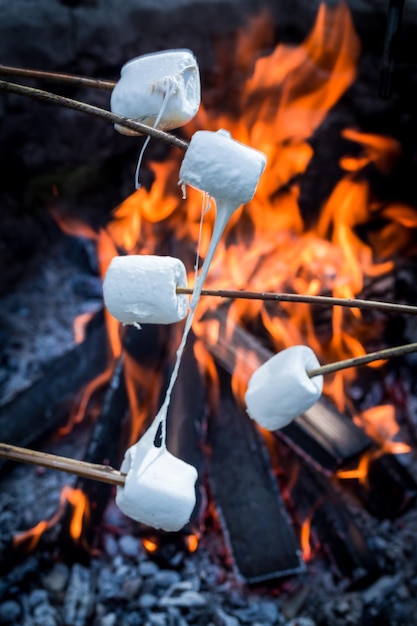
(222, 167)
(159, 488)
(163, 86)
(280, 389)
(141, 289)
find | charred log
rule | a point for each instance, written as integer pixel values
(252, 513)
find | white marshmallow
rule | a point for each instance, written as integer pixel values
(222, 167)
(141, 289)
(166, 81)
(280, 390)
(159, 488)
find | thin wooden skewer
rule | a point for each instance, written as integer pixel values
(90, 109)
(295, 297)
(58, 77)
(93, 471)
(356, 361)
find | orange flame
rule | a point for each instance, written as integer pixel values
(80, 504)
(281, 100)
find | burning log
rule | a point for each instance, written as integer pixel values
(322, 434)
(252, 513)
(325, 437)
(326, 521)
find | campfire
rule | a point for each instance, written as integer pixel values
(312, 259)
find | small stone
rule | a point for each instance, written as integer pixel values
(131, 587)
(129, 546)
(166, 578)
(38, 596)
(108, 620)
(57, 578)
(9, 612)
(148, 568)
(110, 545)
(158, 619)
(147, 601)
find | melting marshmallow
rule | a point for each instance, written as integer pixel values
(159, 488)
(280, 389)
(163, 86)
(222, 167)
(141, 289)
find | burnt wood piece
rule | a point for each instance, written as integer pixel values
(388, 489)
(324, 435)
(317, 503)
(44, 406)
(252, 513)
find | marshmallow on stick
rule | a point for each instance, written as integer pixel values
(225, 169)
(141, 289)
(159, 488)
(281, 390)
(163, 86)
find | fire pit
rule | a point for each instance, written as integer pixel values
(314, 523)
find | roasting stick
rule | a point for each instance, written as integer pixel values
(356, 361)
(58, 77)
(93, 471)
(295, 297)
(107, 474)
(121, 120)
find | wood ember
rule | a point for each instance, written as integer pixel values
(251, 510)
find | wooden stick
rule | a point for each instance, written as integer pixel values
(295, 297)
(58, 77)
(356, 361)
(93, 471)
(52, 98)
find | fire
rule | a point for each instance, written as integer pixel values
(305, 539)
(149, 545)
(77, 499)
(269, 245)
(280, 103)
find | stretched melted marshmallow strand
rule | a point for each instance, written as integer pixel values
(280, 389)
(159, 488)
(141, 289)
(167, 81)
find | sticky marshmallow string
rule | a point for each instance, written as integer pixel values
(169, 90)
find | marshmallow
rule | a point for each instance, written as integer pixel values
(159, 488)
(164, 85)
(222, 167)
(141, 289)
(280, 389)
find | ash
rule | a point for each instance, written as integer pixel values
(120, 583)
(124, 586)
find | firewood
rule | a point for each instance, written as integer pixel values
(252, 513)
